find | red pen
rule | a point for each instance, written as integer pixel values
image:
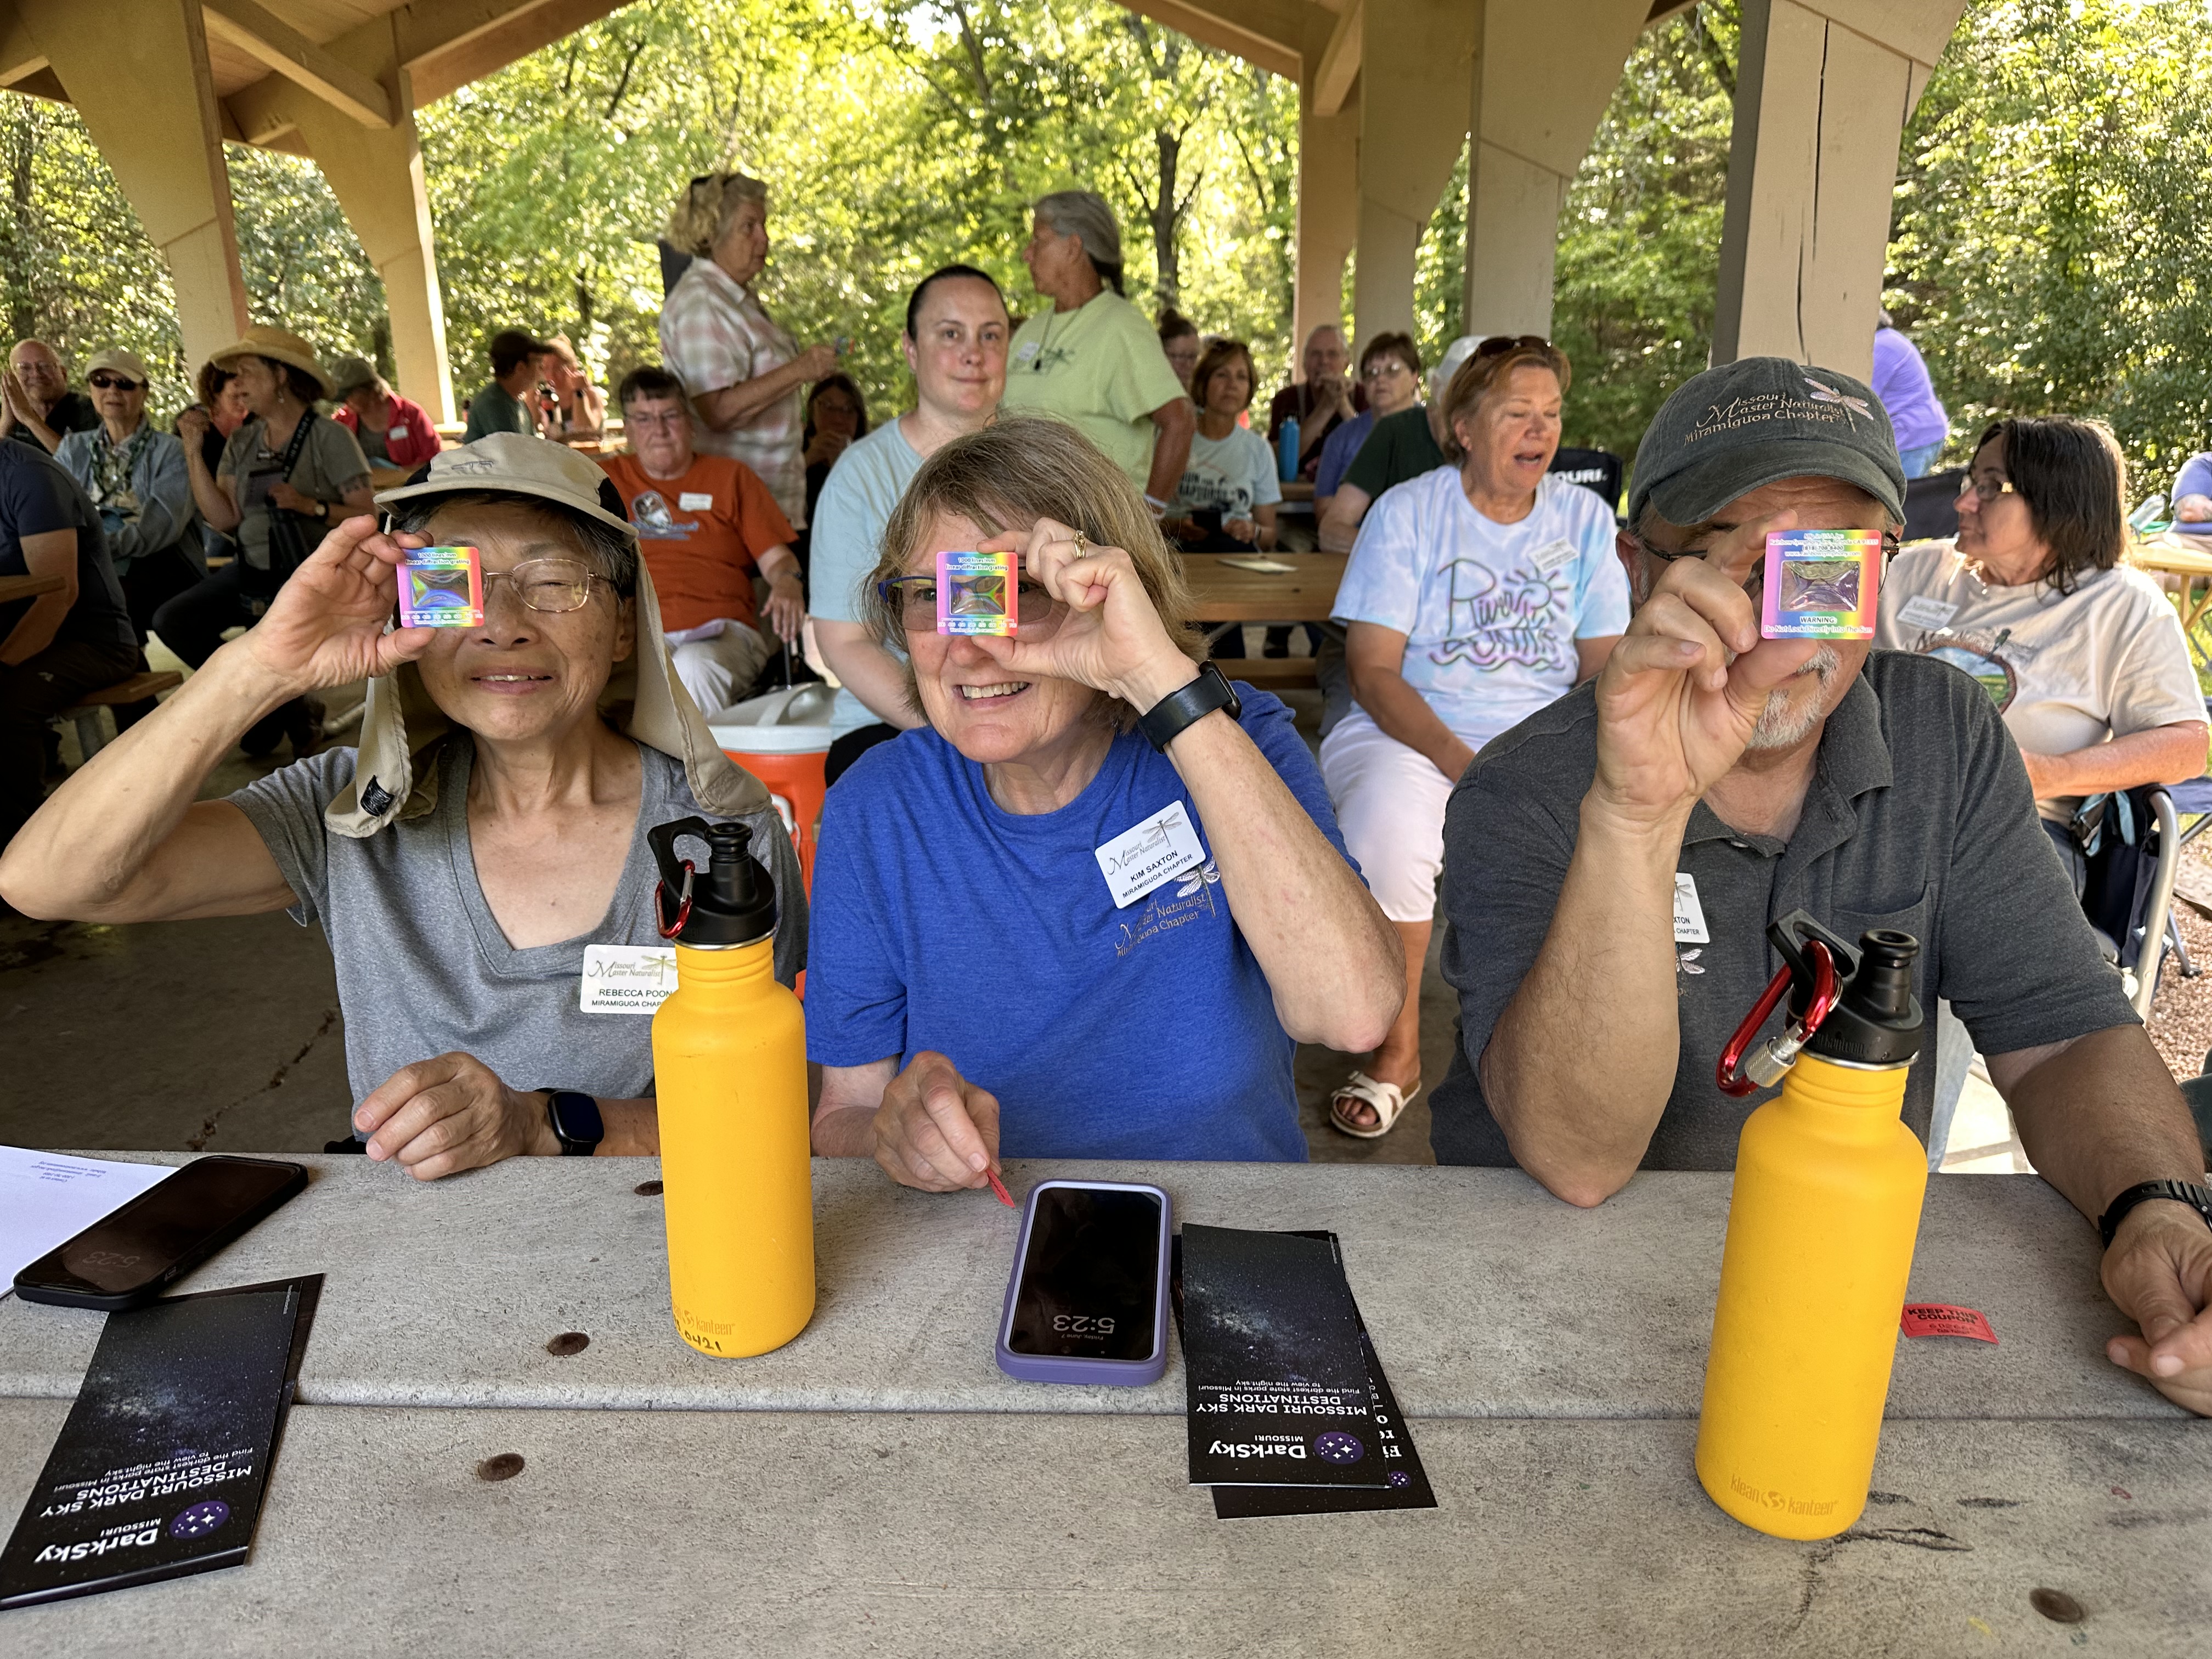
(1000, 1187)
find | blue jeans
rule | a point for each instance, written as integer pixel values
(1920, 459)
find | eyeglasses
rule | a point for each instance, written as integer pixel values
(914, 598)
(549, 585)
(671, 419)
(1890, 543)
(106, 382)
(1986, 489)
(1383, 368)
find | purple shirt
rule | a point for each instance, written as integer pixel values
(1901, 380)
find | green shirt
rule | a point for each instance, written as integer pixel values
(494, 409)
(1099, 366)
(1400, 446)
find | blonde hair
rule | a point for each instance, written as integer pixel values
(1013, 473)
(705, 210)
(1487, 371)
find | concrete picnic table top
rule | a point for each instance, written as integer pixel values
(877, 1487)
(1486, 1296)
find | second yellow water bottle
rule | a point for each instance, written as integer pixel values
(729, 1062)
(1821, 1224)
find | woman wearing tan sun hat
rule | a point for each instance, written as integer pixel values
(285, 477)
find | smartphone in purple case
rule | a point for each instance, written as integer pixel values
(1088, 1300)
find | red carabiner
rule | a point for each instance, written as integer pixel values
(682, 905)
(1726, 1074)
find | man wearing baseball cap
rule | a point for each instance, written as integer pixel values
(394, 433)
(504, 403)
(486, 834)
(1612, 863)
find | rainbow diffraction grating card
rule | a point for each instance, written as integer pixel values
(441, 587)
(1821, 584)
(976, 593)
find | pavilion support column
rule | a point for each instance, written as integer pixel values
(1328, 210)
(376, 174)
(138, 72)
(1544, 76)
(1417, 74)
(1823, 91)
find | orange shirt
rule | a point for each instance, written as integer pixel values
(701, 535)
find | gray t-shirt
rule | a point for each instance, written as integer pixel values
(423, 966)
(1918, 817)
(329, 465)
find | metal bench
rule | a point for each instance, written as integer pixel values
(91, 731)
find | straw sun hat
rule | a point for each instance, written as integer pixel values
(278, 347)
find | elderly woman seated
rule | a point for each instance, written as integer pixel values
(1086, 910)
(491, 828)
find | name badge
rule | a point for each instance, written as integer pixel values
(1924, 612)
(1157, 851)
(1689, 914)
(1550, 556)
(1025, 350)
(626, 979)
(695, 500)
(396, 435)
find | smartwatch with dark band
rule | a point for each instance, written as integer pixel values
(2196, 1197)
(1172, 715)
(577, 1121)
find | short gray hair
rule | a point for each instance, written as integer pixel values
(605, 549)
(1084, 214)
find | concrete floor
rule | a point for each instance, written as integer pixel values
(226, 1035)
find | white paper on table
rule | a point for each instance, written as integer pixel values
(49, 1198)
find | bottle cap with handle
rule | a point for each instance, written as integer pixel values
(730, 902)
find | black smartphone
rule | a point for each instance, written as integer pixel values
(129, 1257)
(1087, 1302)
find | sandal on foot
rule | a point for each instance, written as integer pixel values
(1387, 1099)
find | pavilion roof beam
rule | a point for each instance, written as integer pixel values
(1339, 60)
(255, 29)
(1268, 34)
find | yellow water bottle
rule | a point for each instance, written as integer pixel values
(729, 1062)
(1821, 1224)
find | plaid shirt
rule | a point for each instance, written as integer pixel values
(714, 335)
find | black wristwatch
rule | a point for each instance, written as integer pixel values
(577, 1121)
(1168, 718)
(2196, 1197)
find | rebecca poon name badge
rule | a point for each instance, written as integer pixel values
(626, 979)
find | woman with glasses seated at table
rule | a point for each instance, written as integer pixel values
(489, 829)
(2083, 655)
(1475, 594)
(1390, 374)
(1088, 909)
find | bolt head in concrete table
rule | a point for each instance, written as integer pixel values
(1486, 1297)
(831, 1533)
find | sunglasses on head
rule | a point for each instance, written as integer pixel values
(107, 382)
(1497, 344)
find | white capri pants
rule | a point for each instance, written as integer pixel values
(1389, 802)
(716, 671)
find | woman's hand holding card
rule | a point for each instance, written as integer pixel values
(326, 625)
(1111, 638)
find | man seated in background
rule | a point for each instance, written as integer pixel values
(705, 523)
(1321, 402)
(36, 405)
(54, 647)
(1709, 780)
(1402, 447)
(506, 402)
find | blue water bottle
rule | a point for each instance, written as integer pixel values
(1286, 449)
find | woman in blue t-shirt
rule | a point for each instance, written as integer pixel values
(1035, 934)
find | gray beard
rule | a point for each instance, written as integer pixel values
(1779, 726)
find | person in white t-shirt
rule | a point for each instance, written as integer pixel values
(1231, 470)
(957, 330)
(2084, 656)
(1475, 594)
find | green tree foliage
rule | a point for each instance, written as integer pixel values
(2050, 252)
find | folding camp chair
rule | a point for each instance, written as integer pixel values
(2134, 859)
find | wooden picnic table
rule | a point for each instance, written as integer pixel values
(27, 588)
(1227, 594)
(2187, 558)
